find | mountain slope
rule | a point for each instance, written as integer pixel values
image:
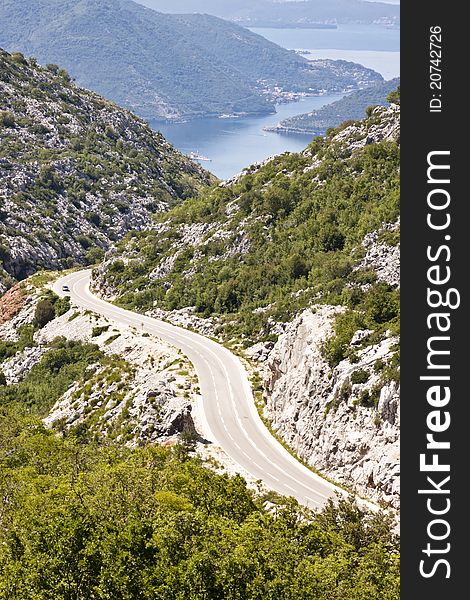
(352, 106)
(258, 13)
(274, 240)
(76, 171)
(113, 486)
(166, 66)
(295, 263)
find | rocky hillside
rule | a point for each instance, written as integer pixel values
(272, 241)
(76, 171)
(88, 377)
(164, 66)
(331, 387)
(297, 261)
(344, 421)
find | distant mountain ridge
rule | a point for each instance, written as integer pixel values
(268, 13)
(168, 67)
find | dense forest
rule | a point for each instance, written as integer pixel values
(81, 521)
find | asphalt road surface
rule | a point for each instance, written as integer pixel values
(229, 413)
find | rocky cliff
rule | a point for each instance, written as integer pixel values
(76, 171)
(342, 421)
(341, 414)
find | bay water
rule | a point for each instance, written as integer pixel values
(232, 144)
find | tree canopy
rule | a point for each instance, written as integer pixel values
(81, 521)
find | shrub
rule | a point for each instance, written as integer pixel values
(44, 312)
(69, 262)
(382, 304)
(365, 399)
(64, 75)
(394, 97)
(49, 179)
(337, 348)
(97, 331)
(26, 336)
(363, 277)
(53, 68)
(7, 119)
(18, 57)
(84, 241)
(187, 443)
(61, 306)
(94, 255)
(359, 376)
(93, 217)
(370, 398)
(391, 372)
(297, 267)
(111, 339)
(379, 365)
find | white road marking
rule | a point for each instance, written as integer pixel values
(290, 488)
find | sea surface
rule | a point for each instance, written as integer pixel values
(345, 37)
(373, 46)
(235, 143)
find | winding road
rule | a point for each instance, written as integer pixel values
(229, 413)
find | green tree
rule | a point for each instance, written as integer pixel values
(382, 303)
(394, 97)
(44, 312)
(82, 519)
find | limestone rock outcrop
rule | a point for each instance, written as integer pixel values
(345, 426)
